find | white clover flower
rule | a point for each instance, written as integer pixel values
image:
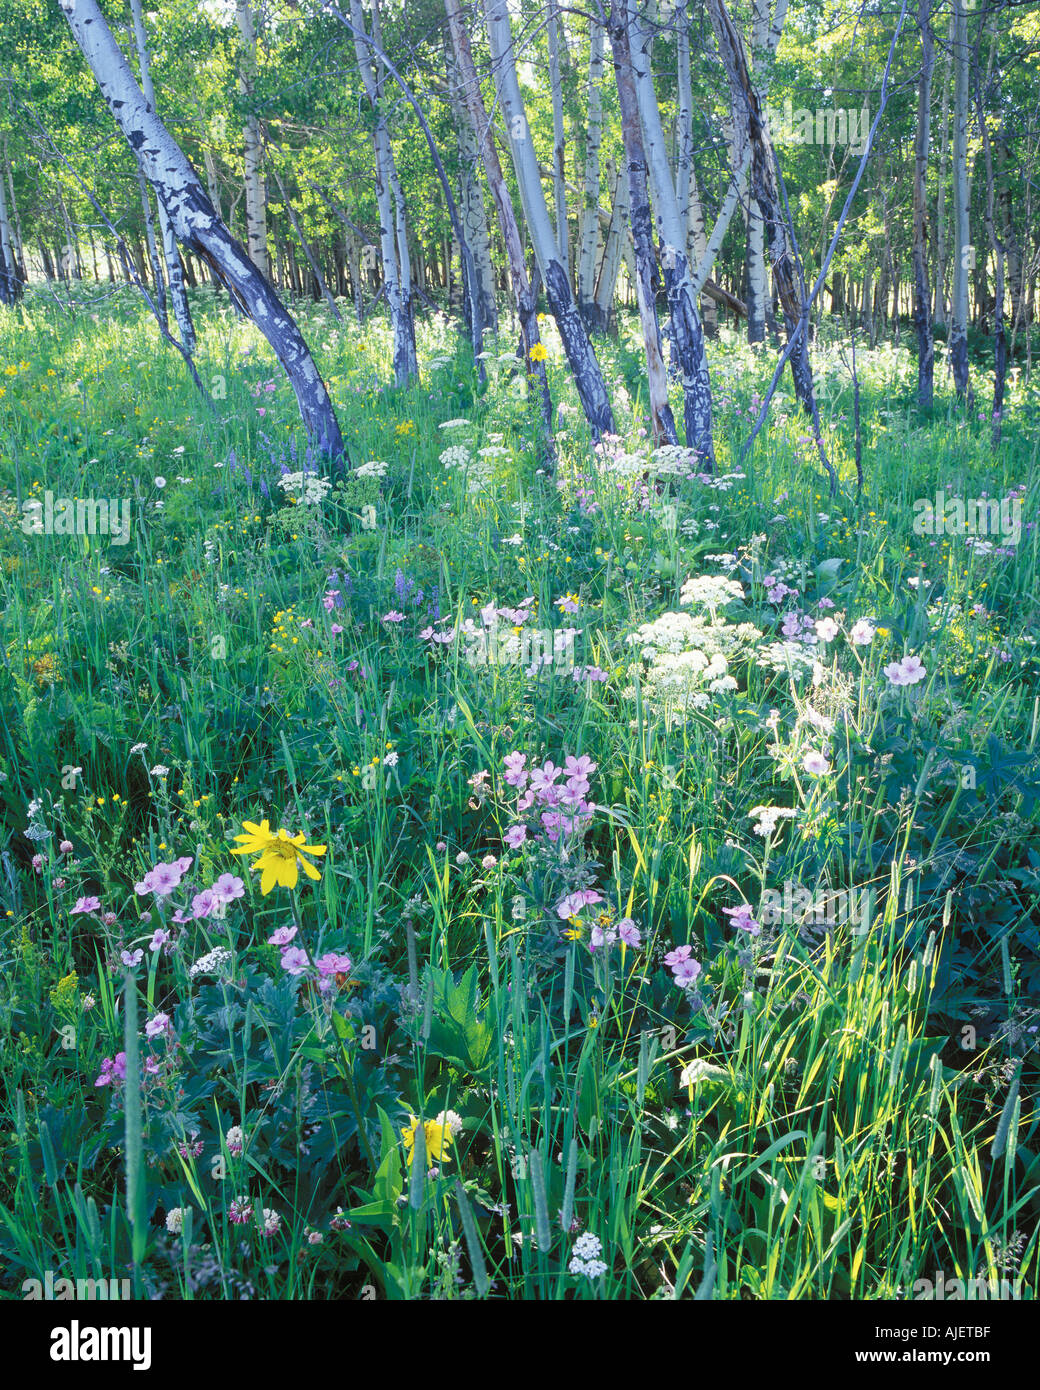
(175, 1219)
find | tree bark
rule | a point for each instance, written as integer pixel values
(687, 333)
(559, 138)
(922, 289)
(588, 236)
(588, 378)
(171, 256)
(393, 237)
(662, 423)
(962, 248)
(523, 293)
(256, 200)
(195, 220)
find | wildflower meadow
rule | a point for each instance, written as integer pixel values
(503, 800)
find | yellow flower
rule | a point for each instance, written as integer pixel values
(538, 353)
(438, 1138)
(281, 856)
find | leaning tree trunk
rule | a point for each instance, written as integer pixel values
(584, 365)
(588, 233)
(687, 333)
(922, 289)
(524, 296)
(962, 248)
(171, 256)
(195, 221)
(662, 424)
(256, 201)
(308, 251)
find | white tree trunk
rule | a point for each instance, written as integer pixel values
(10, 286)
(256, 200)
(171, 256)
(687, 332)
(473, 212)
(523, 293)
(393, 235)
(195, 220)
(613, 248)
(588, 236)
(554, 35)
(580, 354)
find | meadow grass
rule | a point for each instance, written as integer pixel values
(835, 1105)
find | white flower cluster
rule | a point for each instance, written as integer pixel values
(210, 963)
(373, 469)
(710, 591)
(456, 456)
(307, 488)
(586, 1256)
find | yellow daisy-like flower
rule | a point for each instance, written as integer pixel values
(438, 1138)
(281, 855)
(538, 352)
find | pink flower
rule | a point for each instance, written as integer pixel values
(294, 961)
(686, 972)
(515, 836)
(227, 888)
(816, 764)
(516, 776)
(85, 905)
(240, 1211)
(333, 964)
(157, 1026)
(543, 777)
(112, 1069)
(573, 903)
(202, 904)
(336, 629)
(741, 917)
(629, 933)
(393, 616)
(282, 936)
(132, 958)
(861, 634)
(160, 937)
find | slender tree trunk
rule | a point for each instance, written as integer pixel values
(613, 247)
(10, 280)
(553, 28)
(195, 220)
(686, 330)
(474, 215)
(319, 279)
(171, 256)
(524, 296)
(942, 258)
(256, 199)
(962, 248)
(922, 289)
(1000, 347)
(588, 378)
(393, 239)
(747, 112)
(662, 423)
(588, 236)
